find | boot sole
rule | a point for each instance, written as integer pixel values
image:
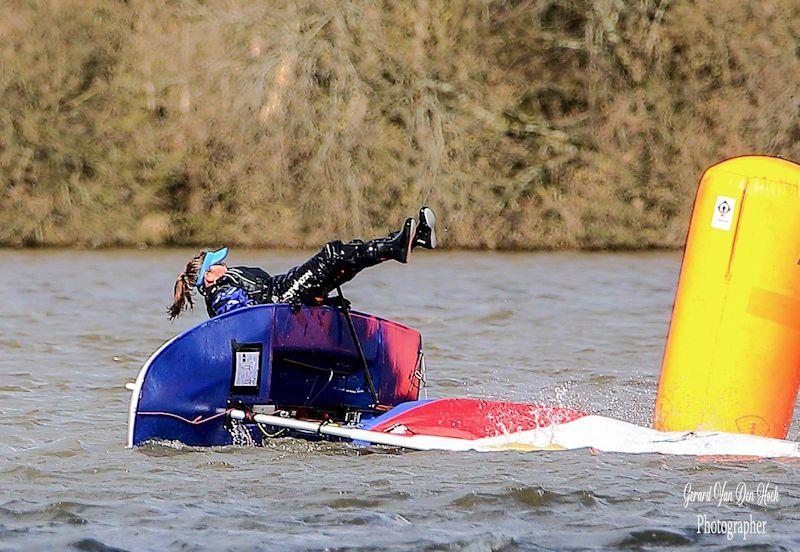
(411, 228)
(428, 219)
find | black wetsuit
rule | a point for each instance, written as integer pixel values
(306, 284)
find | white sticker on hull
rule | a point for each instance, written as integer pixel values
(247, 365)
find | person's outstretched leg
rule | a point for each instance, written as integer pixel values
(338, 263)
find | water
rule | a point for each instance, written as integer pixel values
(581, 330)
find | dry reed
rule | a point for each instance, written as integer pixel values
(526, 124)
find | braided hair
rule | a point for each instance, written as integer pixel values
(182, 294)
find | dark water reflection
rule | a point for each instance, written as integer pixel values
(582, 330)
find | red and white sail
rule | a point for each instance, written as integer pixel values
(474, 424)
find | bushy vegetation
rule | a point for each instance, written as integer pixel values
(526, 124)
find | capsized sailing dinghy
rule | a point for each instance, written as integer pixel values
(263, 371)
(305, 365)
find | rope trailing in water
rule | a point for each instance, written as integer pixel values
(269, 435)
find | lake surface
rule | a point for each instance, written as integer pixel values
(575, 329)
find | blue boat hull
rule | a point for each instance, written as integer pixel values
(268, 355)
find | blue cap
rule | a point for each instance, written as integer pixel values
(209, 259)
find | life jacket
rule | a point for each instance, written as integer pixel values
(240, 286)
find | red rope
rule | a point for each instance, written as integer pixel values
(197, 421)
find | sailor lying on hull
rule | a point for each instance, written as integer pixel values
(227, 288)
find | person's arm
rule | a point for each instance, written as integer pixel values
(228, 298)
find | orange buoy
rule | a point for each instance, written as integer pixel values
(732, 360)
